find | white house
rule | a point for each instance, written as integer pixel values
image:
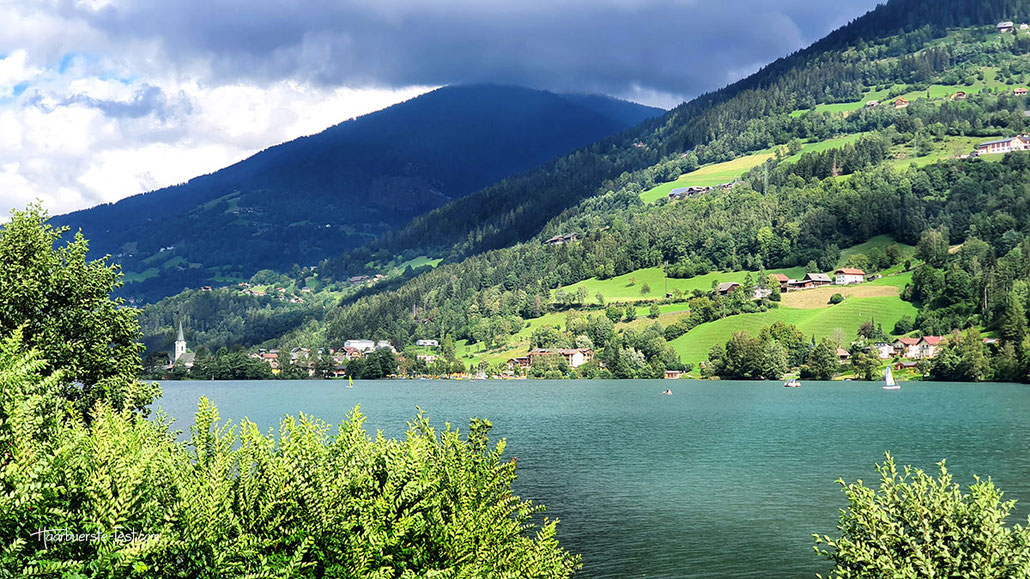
(385, 345)
(427, 343)
(1020, 143)
(360, 345)
(848, 275)
(884, 350)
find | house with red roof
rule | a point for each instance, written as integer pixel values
(927, 347)
(848, 275)
(906, 347)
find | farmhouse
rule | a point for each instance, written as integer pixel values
(927, 346)
(848, 275)
(673, 374)
(843, 355)
(780, 279)
(427, 343)
(818, 279)
(685, 192)
(1020, 143)
(794, 285)
(520, 362)
(1004, 27)
(727, 287)
(562, 239)
(574, 357)
(900, 103)
(1021, 91)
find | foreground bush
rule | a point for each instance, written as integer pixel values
(305, 503)
(920, 526)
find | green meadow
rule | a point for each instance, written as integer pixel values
(628, 287)
(693, 346)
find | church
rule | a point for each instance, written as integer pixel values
(181, 356)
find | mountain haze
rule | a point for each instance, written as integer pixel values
(317, 196)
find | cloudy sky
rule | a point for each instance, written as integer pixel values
(101, 99)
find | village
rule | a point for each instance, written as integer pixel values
(907, 353)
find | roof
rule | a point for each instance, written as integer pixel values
(817, 277)
(1006, 25)
(908, 364)
(995, 142)
(931, 340)
(850, 271)
(909, 341)
(180, 338)
(780, 277)
(841, 352)
(728, 285)
(679, 191)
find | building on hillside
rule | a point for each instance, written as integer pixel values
(574, 357)
(900, 103)
(848, 275)
(560, 239)
(843, 355)
(1021, 91)
(906, 365)
(871, 104)
(780, 279)
(1019, 143)
(959, 96)
(522, 362)
(427, 358)
(927, 347)
(884, 350)
(361, 345)
(1024, 26)
(385, 345)
(794, 285)
(1004, 27)
(818, 279)
(905, 347)
(673, 374)
(727, 287)
(427, 343)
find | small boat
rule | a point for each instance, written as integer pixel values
(792, 383)
(667, 392)
(350, 382)
(888, 381)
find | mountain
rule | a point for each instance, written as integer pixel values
(317, 196)
(748, 115)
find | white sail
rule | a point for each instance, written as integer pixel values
(888, 380)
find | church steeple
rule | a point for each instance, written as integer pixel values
(180, 345)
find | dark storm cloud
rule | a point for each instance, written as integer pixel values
(679, 47)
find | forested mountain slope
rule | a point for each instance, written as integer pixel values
(314, 197)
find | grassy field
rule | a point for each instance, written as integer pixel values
(417, 262)
(948, 148)
(820, 297)
(719, 173)
(881, 241)
(624, 288)
(693, 346)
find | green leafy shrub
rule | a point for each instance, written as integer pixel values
(836, 299)
(309, 502)
(917, 525)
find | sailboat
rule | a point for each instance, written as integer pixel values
(350, 382)
(888, 381)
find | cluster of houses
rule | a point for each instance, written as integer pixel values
(574, 357)
(281, 293)
(843, 276)
(688, 192)
(1006, 27)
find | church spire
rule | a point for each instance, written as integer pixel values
(180, 338)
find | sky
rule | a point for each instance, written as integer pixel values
(102, 99)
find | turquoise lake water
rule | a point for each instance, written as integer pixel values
(721, 479)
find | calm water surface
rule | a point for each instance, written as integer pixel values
(722, 479)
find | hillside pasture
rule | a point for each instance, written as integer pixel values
(627, 287)
(693, 347)
(820, 297)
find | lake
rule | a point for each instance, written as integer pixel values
(720, 479)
